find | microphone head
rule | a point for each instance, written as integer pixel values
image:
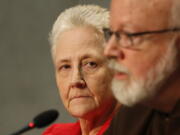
(45, 118)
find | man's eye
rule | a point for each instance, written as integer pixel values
(138, 39)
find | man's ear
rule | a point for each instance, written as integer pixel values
(178, 42)
(178, 46)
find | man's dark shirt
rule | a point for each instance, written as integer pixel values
(140, 120)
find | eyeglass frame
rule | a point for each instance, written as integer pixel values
(130, 35)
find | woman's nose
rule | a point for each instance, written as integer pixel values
(77, 80)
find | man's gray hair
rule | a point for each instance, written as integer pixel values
(175, 21)
(78, 16)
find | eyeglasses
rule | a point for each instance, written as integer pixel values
(132, 39)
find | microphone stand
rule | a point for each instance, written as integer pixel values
(24, 129)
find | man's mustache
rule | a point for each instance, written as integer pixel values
(112, 64)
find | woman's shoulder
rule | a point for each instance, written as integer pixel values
(63, 129)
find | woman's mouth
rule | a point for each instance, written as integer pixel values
(79, 97)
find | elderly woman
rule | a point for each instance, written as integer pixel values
(82, 74)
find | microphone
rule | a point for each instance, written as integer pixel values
(41, 120)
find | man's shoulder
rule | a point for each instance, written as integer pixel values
(142, 120)
(133, 114)
(129, 119)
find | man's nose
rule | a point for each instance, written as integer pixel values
(77, 79)
(112, 49)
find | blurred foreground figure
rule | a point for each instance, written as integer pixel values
(144, 46)
(82, 73)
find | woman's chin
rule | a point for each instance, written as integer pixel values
(80, 111)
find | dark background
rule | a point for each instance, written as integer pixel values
(27, 83)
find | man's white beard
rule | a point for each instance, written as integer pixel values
(133, 91)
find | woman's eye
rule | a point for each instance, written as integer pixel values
(64, 67)
(91, 64)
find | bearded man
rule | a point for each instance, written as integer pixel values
(144, 47)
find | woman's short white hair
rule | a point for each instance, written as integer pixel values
(81, 15)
